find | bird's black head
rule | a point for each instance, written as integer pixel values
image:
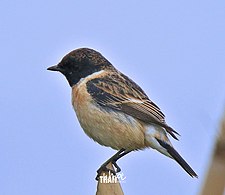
(80, 63)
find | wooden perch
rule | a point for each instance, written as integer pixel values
(215, 178)
(108, 184)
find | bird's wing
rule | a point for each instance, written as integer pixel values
(117, 91)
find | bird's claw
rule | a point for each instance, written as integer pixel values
(118, 169)
(104, 168)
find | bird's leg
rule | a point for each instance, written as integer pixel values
(104, 165)
(118, 169)
(113, 159)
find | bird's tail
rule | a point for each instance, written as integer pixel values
(176, 156)
(156, 138)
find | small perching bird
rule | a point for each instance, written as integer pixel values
(113, 110)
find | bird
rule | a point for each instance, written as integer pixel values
(113, 110)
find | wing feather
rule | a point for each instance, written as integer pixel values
(117, 91)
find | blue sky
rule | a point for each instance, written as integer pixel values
(174, 50)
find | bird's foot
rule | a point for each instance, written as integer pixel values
(118, 169)
(104, 168)
(112, 160)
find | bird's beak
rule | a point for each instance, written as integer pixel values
(54, 68)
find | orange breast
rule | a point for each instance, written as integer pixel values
(109, 128)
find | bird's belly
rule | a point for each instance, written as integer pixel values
(109, 127)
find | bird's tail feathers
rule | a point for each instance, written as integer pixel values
(176, 156)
